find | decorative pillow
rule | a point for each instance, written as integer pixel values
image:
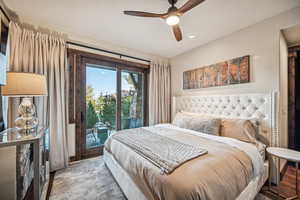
(240, 129)
(200, 123)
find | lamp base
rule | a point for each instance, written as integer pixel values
(27, 121)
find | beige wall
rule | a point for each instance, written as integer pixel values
(260, 41)
(268, 51)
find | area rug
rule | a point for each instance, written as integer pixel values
(85, 180)
(90, 180)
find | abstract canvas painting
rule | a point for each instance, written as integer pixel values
(234, 71)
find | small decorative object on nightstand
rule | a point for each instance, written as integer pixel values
(289, 155)
(25, 85)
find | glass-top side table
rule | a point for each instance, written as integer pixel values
(37, 141)
(13, 135)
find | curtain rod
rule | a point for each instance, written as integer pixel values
(106, 51)
(5, 14)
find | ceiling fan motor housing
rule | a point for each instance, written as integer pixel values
(172, 2)
(172, 9)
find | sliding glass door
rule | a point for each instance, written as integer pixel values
(114, 98)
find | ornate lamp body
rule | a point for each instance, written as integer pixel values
(27, 120)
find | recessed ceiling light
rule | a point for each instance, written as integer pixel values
(192, 36)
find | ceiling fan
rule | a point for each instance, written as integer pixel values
(172, 17)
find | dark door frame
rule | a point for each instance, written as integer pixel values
(292, 57)
(77, 106)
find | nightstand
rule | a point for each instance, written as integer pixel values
(289, 155)
(24, 161)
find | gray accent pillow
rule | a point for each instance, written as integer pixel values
(197, 122)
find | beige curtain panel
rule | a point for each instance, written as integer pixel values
(43, 53)
(159, 93)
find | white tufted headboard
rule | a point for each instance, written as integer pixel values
(261, 107)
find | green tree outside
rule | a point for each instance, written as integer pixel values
(89, 97)
(92, 117)
(103, 108)
(107, 113)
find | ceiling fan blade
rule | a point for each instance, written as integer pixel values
(189, 5)
(177, 32)
(143, 14)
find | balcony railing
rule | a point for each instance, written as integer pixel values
(97, 136)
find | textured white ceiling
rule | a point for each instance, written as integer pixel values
(103, 20)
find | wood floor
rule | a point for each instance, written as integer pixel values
(287, 185)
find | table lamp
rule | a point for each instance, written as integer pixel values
(26, 85)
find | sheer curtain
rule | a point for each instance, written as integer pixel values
(43, 53)
(159, 93)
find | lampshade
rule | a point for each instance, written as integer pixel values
(21, 84)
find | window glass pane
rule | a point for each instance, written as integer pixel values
(132, 107)
(100, 104)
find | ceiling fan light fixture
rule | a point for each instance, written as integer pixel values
(172, 20)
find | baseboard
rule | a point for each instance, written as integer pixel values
(72, 159)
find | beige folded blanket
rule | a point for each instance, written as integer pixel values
(163, 152)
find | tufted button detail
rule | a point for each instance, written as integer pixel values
(226, 106)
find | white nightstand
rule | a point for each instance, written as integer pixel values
(289, 155)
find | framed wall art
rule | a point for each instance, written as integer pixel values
(234, 71)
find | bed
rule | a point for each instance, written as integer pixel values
(230, 170)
